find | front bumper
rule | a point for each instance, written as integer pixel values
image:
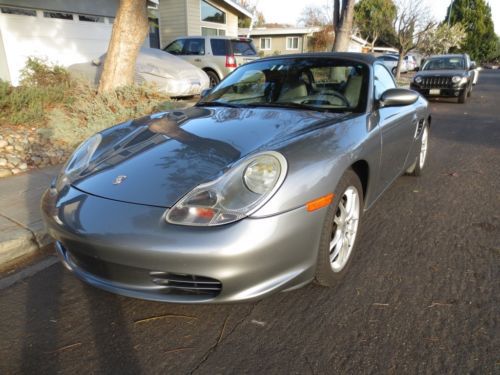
(130, 249)
(439, 91)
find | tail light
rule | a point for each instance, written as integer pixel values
(230, 61)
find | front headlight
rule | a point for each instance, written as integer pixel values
(456, 79)
(418, 79)
(237, 194)
(78, 161)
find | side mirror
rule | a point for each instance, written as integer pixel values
(398, 98)
(204, 93)
(473, 65)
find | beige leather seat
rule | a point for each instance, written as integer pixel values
(353, 90)
(292, 91)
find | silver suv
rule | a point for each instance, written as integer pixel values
(216, 55)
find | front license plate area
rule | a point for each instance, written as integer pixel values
(434, 91)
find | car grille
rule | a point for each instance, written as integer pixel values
(156, 281)
(192, 284)
(436, 82)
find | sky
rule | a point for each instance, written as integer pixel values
(288, 11)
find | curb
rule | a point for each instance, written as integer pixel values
(18, 242)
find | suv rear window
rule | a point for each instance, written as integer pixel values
(219, 47)
(243, 47)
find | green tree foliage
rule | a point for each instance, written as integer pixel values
(475, 17)
(374, 19)
(441, 39)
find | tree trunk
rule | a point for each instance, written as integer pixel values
(400, 62)
(344, 27)
(129, 31)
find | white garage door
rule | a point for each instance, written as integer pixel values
(62, 38)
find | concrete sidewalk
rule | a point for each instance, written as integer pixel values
(21, 227)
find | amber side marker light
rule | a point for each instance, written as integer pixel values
(319, 202)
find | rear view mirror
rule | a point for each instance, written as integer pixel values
(398, 98)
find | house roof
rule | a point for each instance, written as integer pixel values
(259, 31)
(243, 11)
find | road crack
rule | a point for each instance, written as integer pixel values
(220, 337)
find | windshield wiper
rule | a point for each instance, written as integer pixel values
(297, 106)
(216, 103)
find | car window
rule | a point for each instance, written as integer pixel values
(219, 47)
(175, 48)
(194, 47)
(445, 63)
(383, 80)
(324, 84)
(243, 47)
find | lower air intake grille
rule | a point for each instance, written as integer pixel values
(186, 284)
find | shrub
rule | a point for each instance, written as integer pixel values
(68, 109)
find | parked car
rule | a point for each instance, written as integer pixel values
(446, 76)
(260, 187)
(391, 62)
(216, 55)
(411, 62)
(172, 75)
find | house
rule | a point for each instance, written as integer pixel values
(62, 32)
(198, 17)
(281, 41)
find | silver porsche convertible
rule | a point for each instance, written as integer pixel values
(259, 188)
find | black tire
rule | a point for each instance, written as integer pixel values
(325, 275)
(394, 70)
(214, 78)
(417, 168)
(463, 96)
(469, 94)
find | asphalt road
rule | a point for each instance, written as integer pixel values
(422, 295)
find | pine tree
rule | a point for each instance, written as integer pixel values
(475, 17)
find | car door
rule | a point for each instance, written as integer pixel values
(194, 51)
(397, 127)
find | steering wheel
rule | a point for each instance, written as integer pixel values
(344, 100)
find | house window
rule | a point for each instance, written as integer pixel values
(59, 15)
(86, 18)
(209, 31)
(209, 13)
(265, 44)
(19, 11)
(292, 42)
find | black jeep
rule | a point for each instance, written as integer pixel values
(445, 76)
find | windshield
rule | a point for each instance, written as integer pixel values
(322, 84)
(445, 63)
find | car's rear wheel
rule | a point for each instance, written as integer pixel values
(340, 230)
(394, 70)
(213, 77)
(417, 167)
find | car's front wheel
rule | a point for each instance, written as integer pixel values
(417, 167)
(340, 230)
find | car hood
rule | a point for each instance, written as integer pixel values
(157, 159)
(440, 73)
